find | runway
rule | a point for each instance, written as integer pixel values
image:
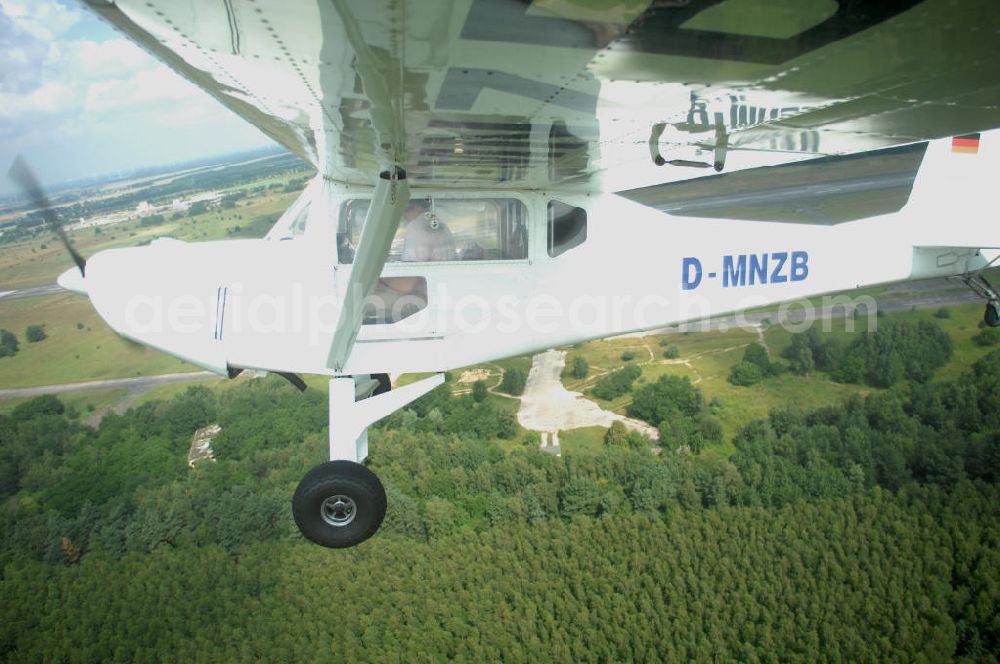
(34, 291)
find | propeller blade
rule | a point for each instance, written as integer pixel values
(22, 176)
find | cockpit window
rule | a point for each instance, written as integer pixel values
(567, 227)
(438, 230)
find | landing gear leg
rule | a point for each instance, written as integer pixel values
(979, 284)
(341, 503)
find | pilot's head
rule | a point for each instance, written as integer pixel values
(416, 208)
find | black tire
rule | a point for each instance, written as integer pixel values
(992, 314)
(326, 495)
(384, 384)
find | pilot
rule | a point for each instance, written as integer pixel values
(427, 237)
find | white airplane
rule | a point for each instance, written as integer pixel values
(468, 155)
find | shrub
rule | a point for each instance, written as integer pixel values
(34, 333)
(619, 436)
(616, 383)
(745, 374)
(478, 391)
(8, 343)
(580, 367)
(628, 356)
(672, 352)
(990, 336)
(943, 312)
(690, 432)
(757, 354)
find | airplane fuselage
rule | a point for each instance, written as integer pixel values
(273, 304)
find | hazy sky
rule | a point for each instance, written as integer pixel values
(77, 98)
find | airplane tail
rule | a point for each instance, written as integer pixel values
(953, 202)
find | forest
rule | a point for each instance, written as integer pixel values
(862, 531)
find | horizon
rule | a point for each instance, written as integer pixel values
(78, 99)
(15, 196)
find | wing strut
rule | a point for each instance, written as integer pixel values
(391, 195)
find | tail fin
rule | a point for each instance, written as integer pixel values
(953, 202)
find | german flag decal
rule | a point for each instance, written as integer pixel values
(969, 143)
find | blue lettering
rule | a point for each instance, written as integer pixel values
(758, 269)
(781, 257)
(800, 265)
(690, 273)
(734, 275)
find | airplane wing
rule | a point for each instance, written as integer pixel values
(519, 94)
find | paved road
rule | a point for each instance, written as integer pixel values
(34, 291)
(134, 388)
(139, 383)
(800, 194)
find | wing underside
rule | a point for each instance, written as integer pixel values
(502, 93)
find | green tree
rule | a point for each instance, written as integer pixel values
(580, 496)
(580, 367)
(479, 391)
(513, 382)
(898, 349)
(804, 363)
(617, 435)
(655, 402)
(440, 516)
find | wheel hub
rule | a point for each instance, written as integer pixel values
(338, 510)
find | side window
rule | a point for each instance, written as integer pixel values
(438, 230)
(567, 228)
(290, 225)
(394, 299)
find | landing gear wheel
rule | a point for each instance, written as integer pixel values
(339, 504)
(992, 314)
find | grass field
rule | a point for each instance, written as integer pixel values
(583, 440)
(164, 392)
(79, 345)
